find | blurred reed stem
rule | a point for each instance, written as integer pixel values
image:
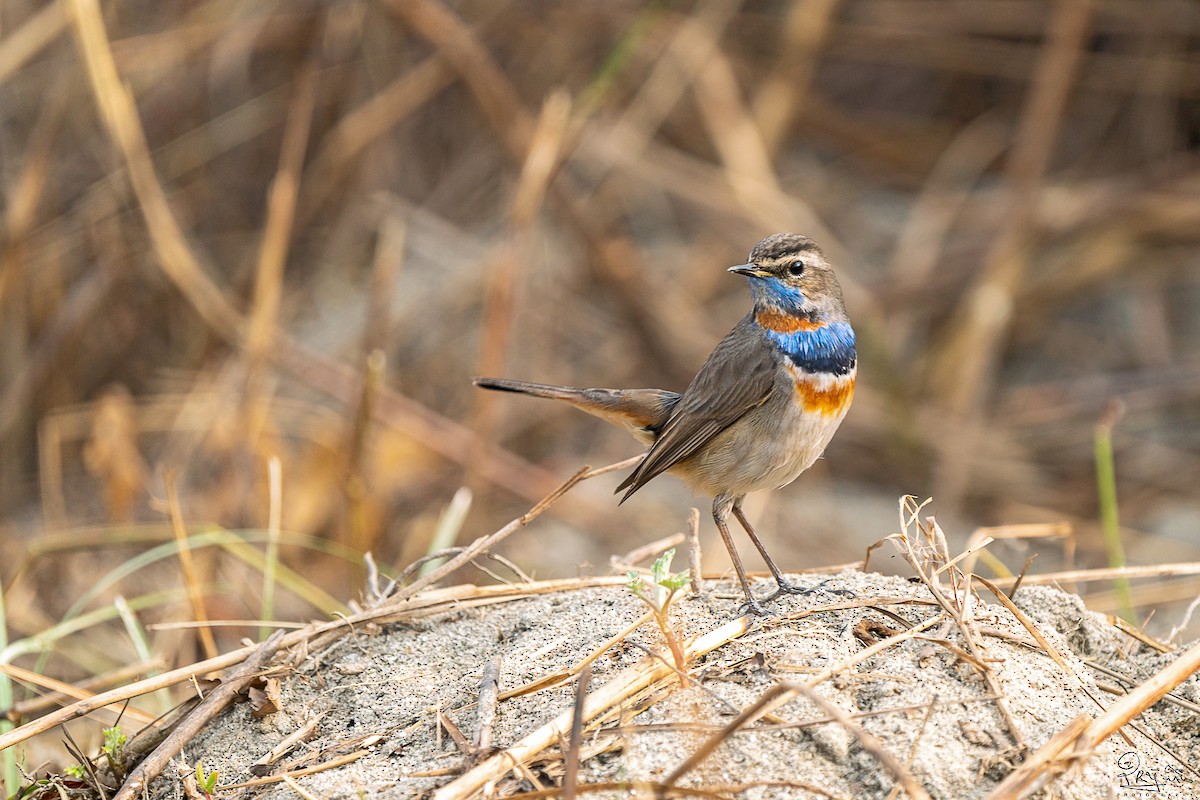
(449, 525)
(271, 557)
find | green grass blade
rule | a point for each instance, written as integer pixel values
(9, 775)
(1110, 525)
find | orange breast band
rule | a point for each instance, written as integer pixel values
(782, 322)
(829, 400)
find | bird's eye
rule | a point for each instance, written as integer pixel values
(796, 268)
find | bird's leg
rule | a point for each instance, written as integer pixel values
(720, 512)
(785, 586)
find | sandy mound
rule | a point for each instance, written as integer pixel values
(398, 700)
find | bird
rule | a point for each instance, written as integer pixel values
(761, 409)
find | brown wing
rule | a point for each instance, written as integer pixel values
(736, 378)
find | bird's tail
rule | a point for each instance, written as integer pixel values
(642, 412)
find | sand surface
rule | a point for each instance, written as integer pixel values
(380, 691)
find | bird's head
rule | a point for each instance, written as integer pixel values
(789, 272)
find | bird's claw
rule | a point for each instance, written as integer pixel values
(752, 606)
(786, 587)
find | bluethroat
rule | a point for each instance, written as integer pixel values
(763, 406)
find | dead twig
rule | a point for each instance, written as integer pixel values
(297, 788)
(61, 690)
(549, 681)
(1106, 574)
(695, 572)
(489, 694)
(1012, 591)
(485, 543)
(923, 545)
(445, 722)
(291, 740)
(332, 763)
(189, 727)
(570, 780)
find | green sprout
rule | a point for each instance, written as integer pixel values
(658, 593)
(113, 751)
(206, 780)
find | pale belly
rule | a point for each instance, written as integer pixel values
(774, 443)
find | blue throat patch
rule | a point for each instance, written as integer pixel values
(773, 292)
(829, 348)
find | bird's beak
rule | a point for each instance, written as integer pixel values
(749, 270)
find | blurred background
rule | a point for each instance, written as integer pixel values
(236, 231)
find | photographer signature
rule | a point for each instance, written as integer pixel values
(1135, 777)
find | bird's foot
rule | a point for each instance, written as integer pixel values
(752, 606)
(786, 587)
